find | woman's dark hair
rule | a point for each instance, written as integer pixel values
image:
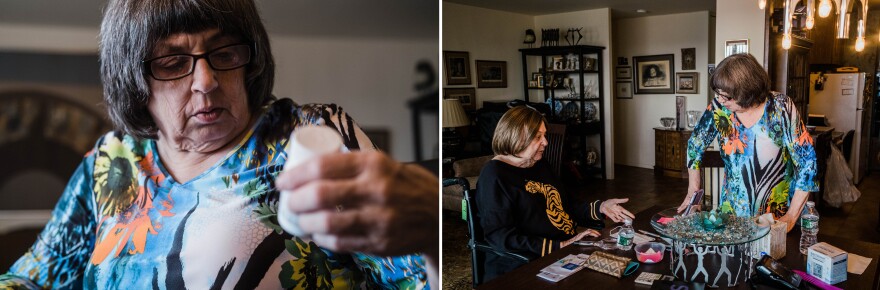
(646, 74)
(132, 28)
(516, 129)
(743, 78)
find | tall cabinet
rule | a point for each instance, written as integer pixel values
(569, 79)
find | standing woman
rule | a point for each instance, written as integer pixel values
(523, 206)
(769, 161)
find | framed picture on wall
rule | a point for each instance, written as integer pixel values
(654, 74)
(458, 68)
(623, 73)
(687, 83)
(467, 96)
(732, 47)
(623, 90)
(688, 58)
(491, 74)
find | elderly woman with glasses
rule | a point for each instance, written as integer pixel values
(769, 161)
(184, 194)
(523, 206)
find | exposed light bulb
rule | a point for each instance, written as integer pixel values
(786, 41)
(810, 22)
(762, 4)
(860, 44)
(825, 8)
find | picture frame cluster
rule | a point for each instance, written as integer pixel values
(489, 74)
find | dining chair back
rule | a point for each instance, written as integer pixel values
(553, 153)
(712, 172)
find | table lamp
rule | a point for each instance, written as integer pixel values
(453, 117)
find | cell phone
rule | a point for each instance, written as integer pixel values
(695, 200)
(777, 275)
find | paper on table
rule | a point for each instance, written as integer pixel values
(665, 220)
(857, 264)
(563, 268)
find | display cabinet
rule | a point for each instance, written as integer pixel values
(569, 79)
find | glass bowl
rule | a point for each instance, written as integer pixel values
(650, 252)
(667, 122)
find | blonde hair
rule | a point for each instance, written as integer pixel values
(516, 130)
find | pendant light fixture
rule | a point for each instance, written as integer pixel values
(825, 6)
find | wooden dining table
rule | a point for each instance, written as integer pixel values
(525, 277)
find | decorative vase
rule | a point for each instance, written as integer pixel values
(590, 112)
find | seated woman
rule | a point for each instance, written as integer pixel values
(522, 209)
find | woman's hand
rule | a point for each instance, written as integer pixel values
(687, 200)
(365, 202)
(791, 217)
(580, 236)
(612, 209)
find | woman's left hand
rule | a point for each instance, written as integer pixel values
(612, 209)
(792, 220)
(365, 202)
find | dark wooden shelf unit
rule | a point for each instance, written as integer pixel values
(579, 130)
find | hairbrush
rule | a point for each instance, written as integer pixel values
(815, 281)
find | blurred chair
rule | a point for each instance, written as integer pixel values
(712, 172)
(432, 165)
(477, 242)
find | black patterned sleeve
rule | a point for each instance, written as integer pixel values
(334, 116)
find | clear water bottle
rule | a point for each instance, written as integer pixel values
(809, 226)
(625, 236)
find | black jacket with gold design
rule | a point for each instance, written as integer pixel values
(527, 211)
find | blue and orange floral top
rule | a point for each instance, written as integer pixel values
(763, 164)
(124, 222)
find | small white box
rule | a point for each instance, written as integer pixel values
(827, 262)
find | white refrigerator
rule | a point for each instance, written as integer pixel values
(845, 107)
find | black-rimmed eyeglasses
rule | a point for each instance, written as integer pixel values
(175, 66)
(722, 98)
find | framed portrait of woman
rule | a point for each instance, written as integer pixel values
(654, 74)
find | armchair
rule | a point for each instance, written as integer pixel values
(467, 169)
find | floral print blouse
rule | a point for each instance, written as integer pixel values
(763, 164)
(124, 222)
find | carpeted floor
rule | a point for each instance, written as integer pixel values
(456, 255)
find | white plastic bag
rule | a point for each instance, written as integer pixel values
(838, 181)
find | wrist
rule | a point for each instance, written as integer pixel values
(563, 244)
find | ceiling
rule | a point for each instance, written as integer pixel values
(619, 8)
(326, 18)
